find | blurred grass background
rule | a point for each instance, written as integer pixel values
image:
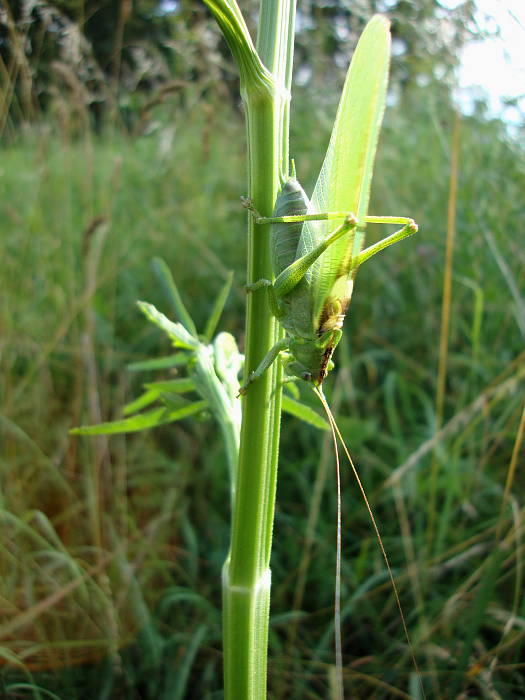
(112, 549)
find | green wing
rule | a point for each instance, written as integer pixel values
(344, 181)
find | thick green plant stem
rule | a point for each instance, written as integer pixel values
(246, 573)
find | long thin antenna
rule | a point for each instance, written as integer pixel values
(335, 430)
(337, 592)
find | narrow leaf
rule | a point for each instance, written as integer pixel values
(176, 360)
(170, 289)
(173, 400)
(157, 390)
(304, 413)
(218, 308)
(178, 679)
(145, 399)
(142, 421)
(176, 331)
(174, 386)
(292, 388)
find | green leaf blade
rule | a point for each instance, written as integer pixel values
(165, 278)
(179, 336)
(172, 386)
(142, 421)
(145, 399)
(218, 308)
(155, 363)
(304, 413)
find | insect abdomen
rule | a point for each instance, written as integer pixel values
(291, 201)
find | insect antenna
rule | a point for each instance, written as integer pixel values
(337, 614)
(337, 593)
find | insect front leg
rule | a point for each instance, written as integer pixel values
(266, 362)
(247, 203)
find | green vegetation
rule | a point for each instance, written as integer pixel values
(112, 548)
(117, 59)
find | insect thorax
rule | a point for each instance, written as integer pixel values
(312, 359)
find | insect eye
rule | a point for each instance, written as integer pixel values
(307, 376)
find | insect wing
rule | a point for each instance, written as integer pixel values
(345, 178)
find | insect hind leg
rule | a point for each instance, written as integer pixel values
(410, 227)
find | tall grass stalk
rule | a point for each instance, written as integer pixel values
(265, 89)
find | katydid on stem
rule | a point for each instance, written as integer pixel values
(317, 247)
(313, 322)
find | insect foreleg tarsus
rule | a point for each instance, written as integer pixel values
(247, 203)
